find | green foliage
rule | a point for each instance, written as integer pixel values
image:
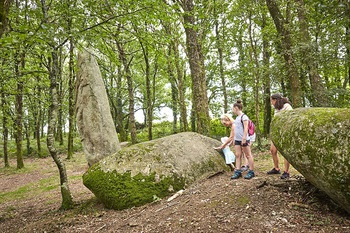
(217, 130)
(159, 130)
(151, 33)
(77, 146)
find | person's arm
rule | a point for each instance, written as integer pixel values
(229, 140)
(245, 131)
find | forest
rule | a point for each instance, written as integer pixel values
(194, 58)
(168, 66)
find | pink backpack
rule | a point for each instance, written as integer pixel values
(251, 126)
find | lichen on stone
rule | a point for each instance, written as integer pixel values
(316, 142)
(139, 173)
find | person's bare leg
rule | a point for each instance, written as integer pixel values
(274, 154)
(249, 157)
(286, 165)
(285, 174)
(232, 167)
(238, 151)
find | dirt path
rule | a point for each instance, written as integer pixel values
(216, 204)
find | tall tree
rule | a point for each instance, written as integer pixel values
(4, 10)
(4, 107)
(54, 71)
(196, 60)
(219, 36)
(309, 59)
(149, 84)
(71, 100)
(173, 83)
(127, 73)
(256, 74)
(19, 63)
(266, 76)
(181, 74)
(67, 199)
(60, 95)
(287, 51)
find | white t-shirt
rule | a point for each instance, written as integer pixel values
(286, 106)
(239, 129)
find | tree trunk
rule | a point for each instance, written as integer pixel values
(4, 10)
(266, 79)
(287, 47)
(309, 59)
(241, 63)
(67, 200)
(132, 122)
(256, 79)
(4, 107)
(149, 105)
(26, 125)
(196, 60)
(221, 66)
(119, 108)
(53, 68)
(347, 44)
(174, 90)
(19, 112)
(59, 129)
(71, 101)
(37, 117)
(181, 88)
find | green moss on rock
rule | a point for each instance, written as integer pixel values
(120, 191)
(316, 142)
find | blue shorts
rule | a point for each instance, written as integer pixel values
(239, 143)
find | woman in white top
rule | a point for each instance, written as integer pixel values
(280, 104)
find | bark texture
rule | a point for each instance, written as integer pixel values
(196, 60)
(287, 50)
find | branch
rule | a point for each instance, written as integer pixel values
(112, 17)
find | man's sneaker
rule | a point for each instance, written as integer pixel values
(236, 175)
(245, 168)
(285, 175)
(274, 171)
(249, 175)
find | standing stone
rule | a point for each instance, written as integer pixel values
(94, 119)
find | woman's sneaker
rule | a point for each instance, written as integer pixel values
(236, 175)
(249, 175)
(285, 175)
(274, 171)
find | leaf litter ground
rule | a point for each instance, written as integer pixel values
(214, 204)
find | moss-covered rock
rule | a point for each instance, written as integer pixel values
(148, 171)
(316, 141)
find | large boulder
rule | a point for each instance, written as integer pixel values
(94, 119)
(316, 141)
(147, 171)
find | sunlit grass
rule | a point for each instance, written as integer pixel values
(30, 189)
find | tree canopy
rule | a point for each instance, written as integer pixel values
(194, 57)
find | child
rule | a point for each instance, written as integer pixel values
(242, 141)
(227, 121)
